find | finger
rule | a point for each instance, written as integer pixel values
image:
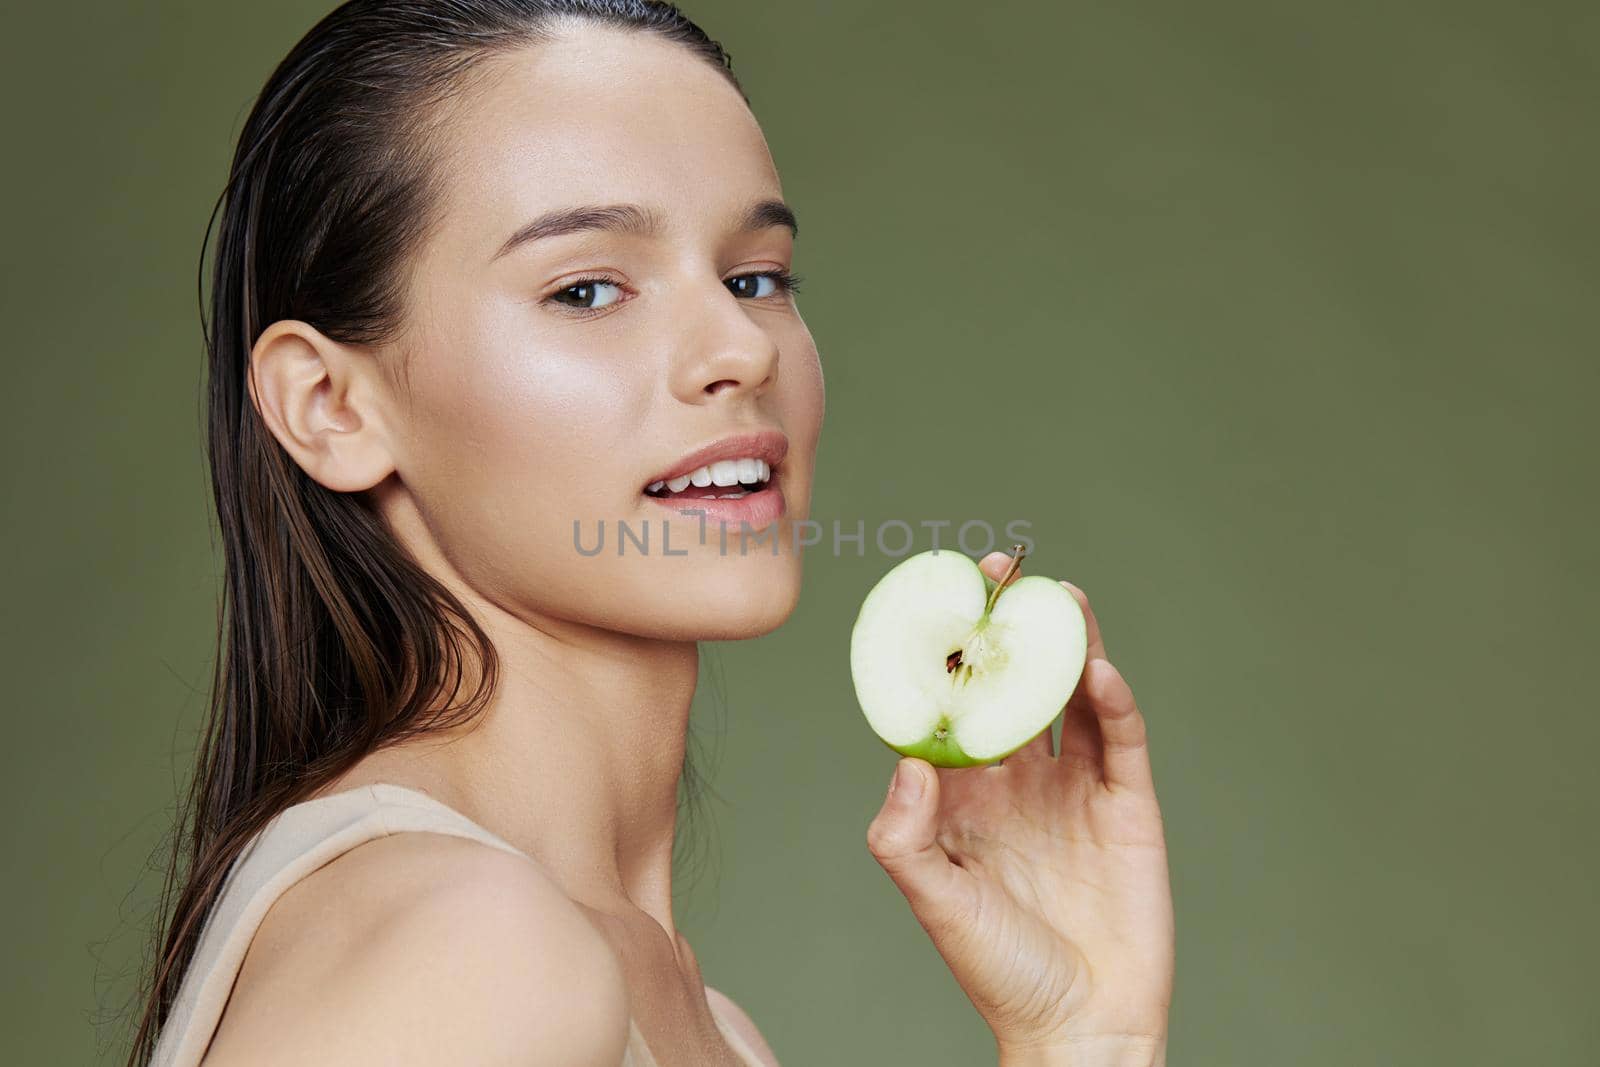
(1081, 744)
(1097, 645)
(902, 838)
(1125, 750)
(1080, 734)
(995, 565)
(1041, 747)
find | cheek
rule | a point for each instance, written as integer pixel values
(513, 440)
(511, 445)
(804, 406)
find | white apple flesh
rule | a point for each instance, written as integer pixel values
(952, 668)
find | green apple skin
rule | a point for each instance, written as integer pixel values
(948, 754)
(944, 753)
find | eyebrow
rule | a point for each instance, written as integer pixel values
(634, 219)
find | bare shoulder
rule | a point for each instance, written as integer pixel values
(741, 1022)
(424, 948)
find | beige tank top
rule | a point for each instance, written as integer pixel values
(300, 839)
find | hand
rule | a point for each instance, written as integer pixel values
(1043, 880)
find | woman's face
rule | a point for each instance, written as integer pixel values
(552, 381)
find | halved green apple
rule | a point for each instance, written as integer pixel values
(958, 669)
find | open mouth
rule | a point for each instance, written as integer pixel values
(726, 479)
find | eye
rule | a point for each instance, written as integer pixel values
(588, 294)
(750, 286)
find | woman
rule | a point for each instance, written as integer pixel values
(491, 275)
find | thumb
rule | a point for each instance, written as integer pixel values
(902, 838)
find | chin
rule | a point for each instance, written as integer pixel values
(730, 599)
(743, 621)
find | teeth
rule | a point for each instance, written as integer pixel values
(723, 472)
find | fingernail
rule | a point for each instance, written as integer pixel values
(907, 783)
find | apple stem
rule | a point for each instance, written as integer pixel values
(1017, 552)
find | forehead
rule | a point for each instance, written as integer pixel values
(600, 115)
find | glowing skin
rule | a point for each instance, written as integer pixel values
(517, 414)
(529, 415)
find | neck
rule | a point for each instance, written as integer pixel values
(575, 760)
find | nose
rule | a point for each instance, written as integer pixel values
(726, 351)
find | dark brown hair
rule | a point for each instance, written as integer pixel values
(333, 643)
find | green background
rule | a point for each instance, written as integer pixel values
(1275, 320)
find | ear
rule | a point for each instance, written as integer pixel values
(322, 400)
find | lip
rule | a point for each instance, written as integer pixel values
(756, 510)
(768, 445)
